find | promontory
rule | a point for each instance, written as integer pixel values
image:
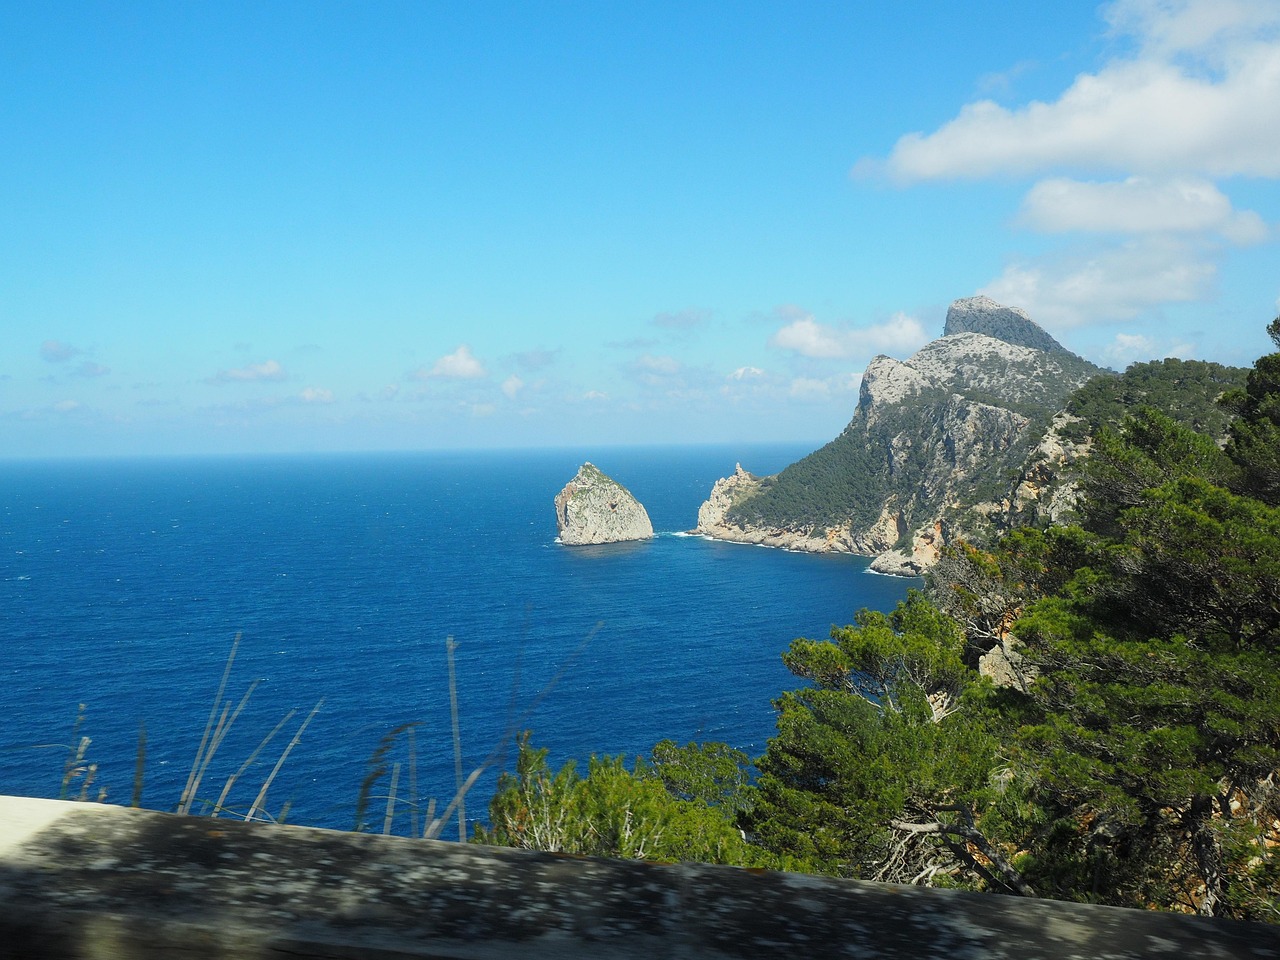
(963, 437)
(594, 508)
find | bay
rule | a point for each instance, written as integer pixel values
(124, 582)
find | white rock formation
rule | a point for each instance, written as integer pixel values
(723, 494)
(594, 508)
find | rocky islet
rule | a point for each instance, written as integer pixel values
(594, 508)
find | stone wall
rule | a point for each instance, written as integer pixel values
(96, 882)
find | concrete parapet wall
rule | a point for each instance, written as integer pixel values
(95, 882)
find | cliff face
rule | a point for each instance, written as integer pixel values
(955, 440)
(594, 508)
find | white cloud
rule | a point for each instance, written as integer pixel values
(66, 406)
(316, 395)
(1201, 96)
(1106, 284)
(594, 396)
(809, 338)
(1138, 205)
(90, 369)
(459, 365)
(1129, 348)
(1190, 94)
(512, 386)
(267, 370)
(746, 373)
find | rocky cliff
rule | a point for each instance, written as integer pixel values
(958, 439)
(594, 508)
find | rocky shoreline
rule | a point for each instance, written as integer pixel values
(740, 485)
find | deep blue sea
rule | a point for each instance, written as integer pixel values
(124, 582)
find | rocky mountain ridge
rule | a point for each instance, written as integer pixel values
(957, 439)
(1008, 324)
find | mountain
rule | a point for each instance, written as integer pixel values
(959, 439)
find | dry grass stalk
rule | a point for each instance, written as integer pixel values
(226, 788)
(260, 800)
(184, 801)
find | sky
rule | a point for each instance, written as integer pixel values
(274, 227)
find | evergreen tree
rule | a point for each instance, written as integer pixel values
(1255, 435)
(1155, 744)
(881, 768)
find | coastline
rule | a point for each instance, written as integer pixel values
(891, 563)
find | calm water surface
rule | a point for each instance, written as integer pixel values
(123, 583)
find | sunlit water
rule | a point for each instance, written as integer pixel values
(123, 583)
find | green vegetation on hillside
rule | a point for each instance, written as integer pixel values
(1133, 760)
(900, 458)
(848, 478)
(962, 440)
(1186, 390)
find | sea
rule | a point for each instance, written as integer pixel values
(401, 620)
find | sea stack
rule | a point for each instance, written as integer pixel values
(594, 508)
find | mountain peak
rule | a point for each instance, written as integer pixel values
(983, 315)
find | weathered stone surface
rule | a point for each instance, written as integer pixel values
(1010, 324)
(724, 493)
(93, 882)
(1005, 665)
(594, 508)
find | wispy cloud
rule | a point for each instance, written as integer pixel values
(810, 389)
(55, 351)
(661, 365)
(682, 320)
(1127, 348)
(269, 370)
(536, 359)
(316, 395)
(1104, 284)
(92, 370)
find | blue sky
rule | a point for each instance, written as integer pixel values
(280, 227)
